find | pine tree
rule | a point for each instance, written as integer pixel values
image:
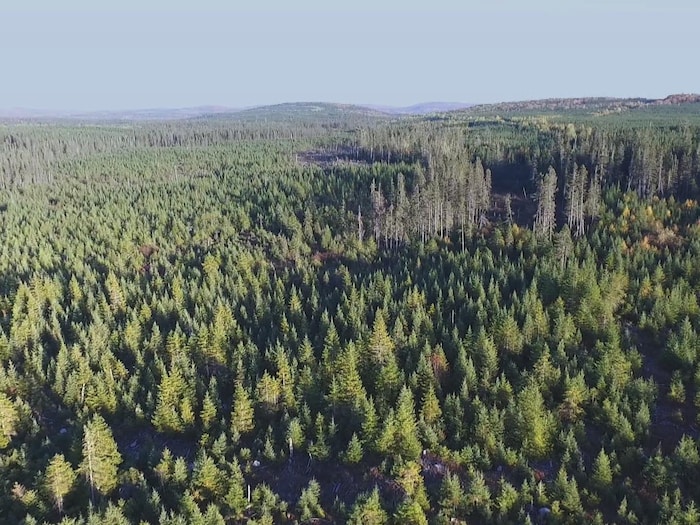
(687, 459)
(592, 204)
(268, 393)
(388, 380)
(101, 457)
(507, 499)
(486, 356)
(319, 447)
(165, 467)
(59, 479)
(566, 491)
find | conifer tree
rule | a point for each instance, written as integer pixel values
(207, 478)
(451, 496)
(101, 457)
(353, 454)
(602, 472)
(235, 498)
(348, 389)
(536, 423)
(477, 497)
(309, 505)
(380, 347)
(368, 510)
(410, 513)
(59, 479)
(174, 411)
(9, 417)
(242, 421)
(399, 435)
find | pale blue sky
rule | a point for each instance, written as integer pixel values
(128, 54)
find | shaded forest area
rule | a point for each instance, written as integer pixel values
(329, 316)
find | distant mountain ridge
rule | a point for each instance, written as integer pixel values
(288, 108)
(293, 109)
(591, 104)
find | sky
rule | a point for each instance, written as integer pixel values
(134, 54)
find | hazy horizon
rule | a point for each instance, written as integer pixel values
(123, 56)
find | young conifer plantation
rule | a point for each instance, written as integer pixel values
(329, 315)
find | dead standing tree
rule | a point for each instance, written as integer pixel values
(545, 219)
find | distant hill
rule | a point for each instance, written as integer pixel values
(291, 110)
(31, 114)
(115, 115)
(590, 106)
(423, 108)
(276, 112)
(156, 114)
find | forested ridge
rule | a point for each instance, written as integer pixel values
(317, 315)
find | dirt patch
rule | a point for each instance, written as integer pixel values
(338, 482)
(669, 420)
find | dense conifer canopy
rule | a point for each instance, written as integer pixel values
(345, 318)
